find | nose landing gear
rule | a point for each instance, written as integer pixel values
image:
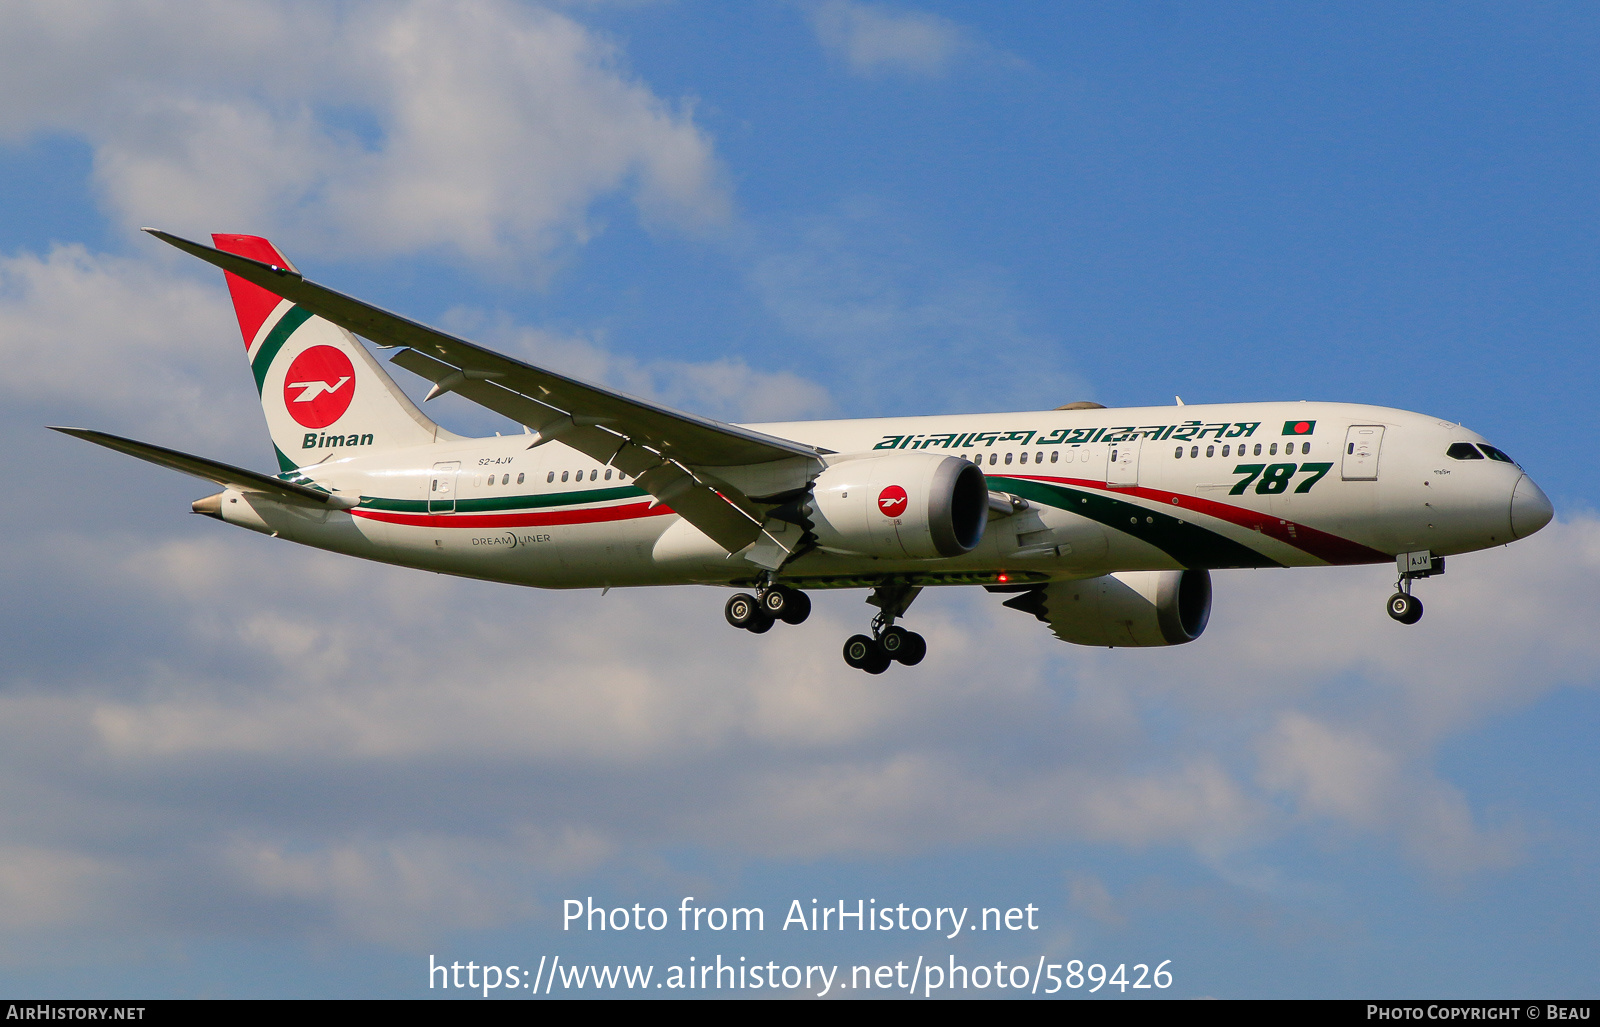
(1403, 606)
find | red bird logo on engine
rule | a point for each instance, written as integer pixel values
(892, 501)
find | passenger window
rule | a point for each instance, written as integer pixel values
(1194, 451)
(1211, 451)
(1272, 450)
(608, 474)
(994, 458)
(594, 475)
(1024, 458)
(1258, 449)
(1305, 448)
(1179, 453)
(1496, 454)
(1038, 458)
(564, 475)
(550, 477)
(1008, 459)
(522, 478)
(1055, 454)
(1463, 451)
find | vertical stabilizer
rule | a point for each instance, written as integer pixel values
(324, 395)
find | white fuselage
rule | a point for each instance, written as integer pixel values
(1102, 490)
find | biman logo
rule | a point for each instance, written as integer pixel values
(319, 386)
(892, 501)
(1299, 427)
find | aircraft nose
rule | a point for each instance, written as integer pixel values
(1530, 508)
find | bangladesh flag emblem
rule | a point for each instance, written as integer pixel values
(1299, 427)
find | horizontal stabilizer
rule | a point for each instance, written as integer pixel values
(225, 475)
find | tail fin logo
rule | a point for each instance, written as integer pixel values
(319, 386)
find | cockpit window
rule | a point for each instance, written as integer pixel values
(1463, 451)
(1495, 454)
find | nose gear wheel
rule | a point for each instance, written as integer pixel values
(1405, 608)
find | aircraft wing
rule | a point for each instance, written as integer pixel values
(225, 475)
(694, 463)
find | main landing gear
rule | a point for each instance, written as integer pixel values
(872, 653)
(1403, 606)
(757, 613)
(887, 644)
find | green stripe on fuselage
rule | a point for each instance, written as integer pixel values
(503, 503)
(292, 319)
(1186, 542)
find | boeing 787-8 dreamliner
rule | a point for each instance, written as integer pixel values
(1103, 523)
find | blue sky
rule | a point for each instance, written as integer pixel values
(230, 767)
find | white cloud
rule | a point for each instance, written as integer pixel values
(138, 347)
(223, 658)
(876, 39)
(85, 335)
(487, 128)
(1352, 780)
(397, 727)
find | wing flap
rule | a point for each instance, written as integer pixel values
(222, 474)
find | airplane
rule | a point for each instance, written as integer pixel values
(1104, 523)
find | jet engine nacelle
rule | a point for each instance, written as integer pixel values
(906, 505)
(1131, 608)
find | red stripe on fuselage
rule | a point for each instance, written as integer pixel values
(595, 515)
(1320, 544)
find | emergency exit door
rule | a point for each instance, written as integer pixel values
(1361, 445)
(442, 487)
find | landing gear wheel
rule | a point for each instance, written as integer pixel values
(878, 665)
(742, 610)
(860, 651)
(1405, 608)
(760, 625)
(906, 646)
(786, 604)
